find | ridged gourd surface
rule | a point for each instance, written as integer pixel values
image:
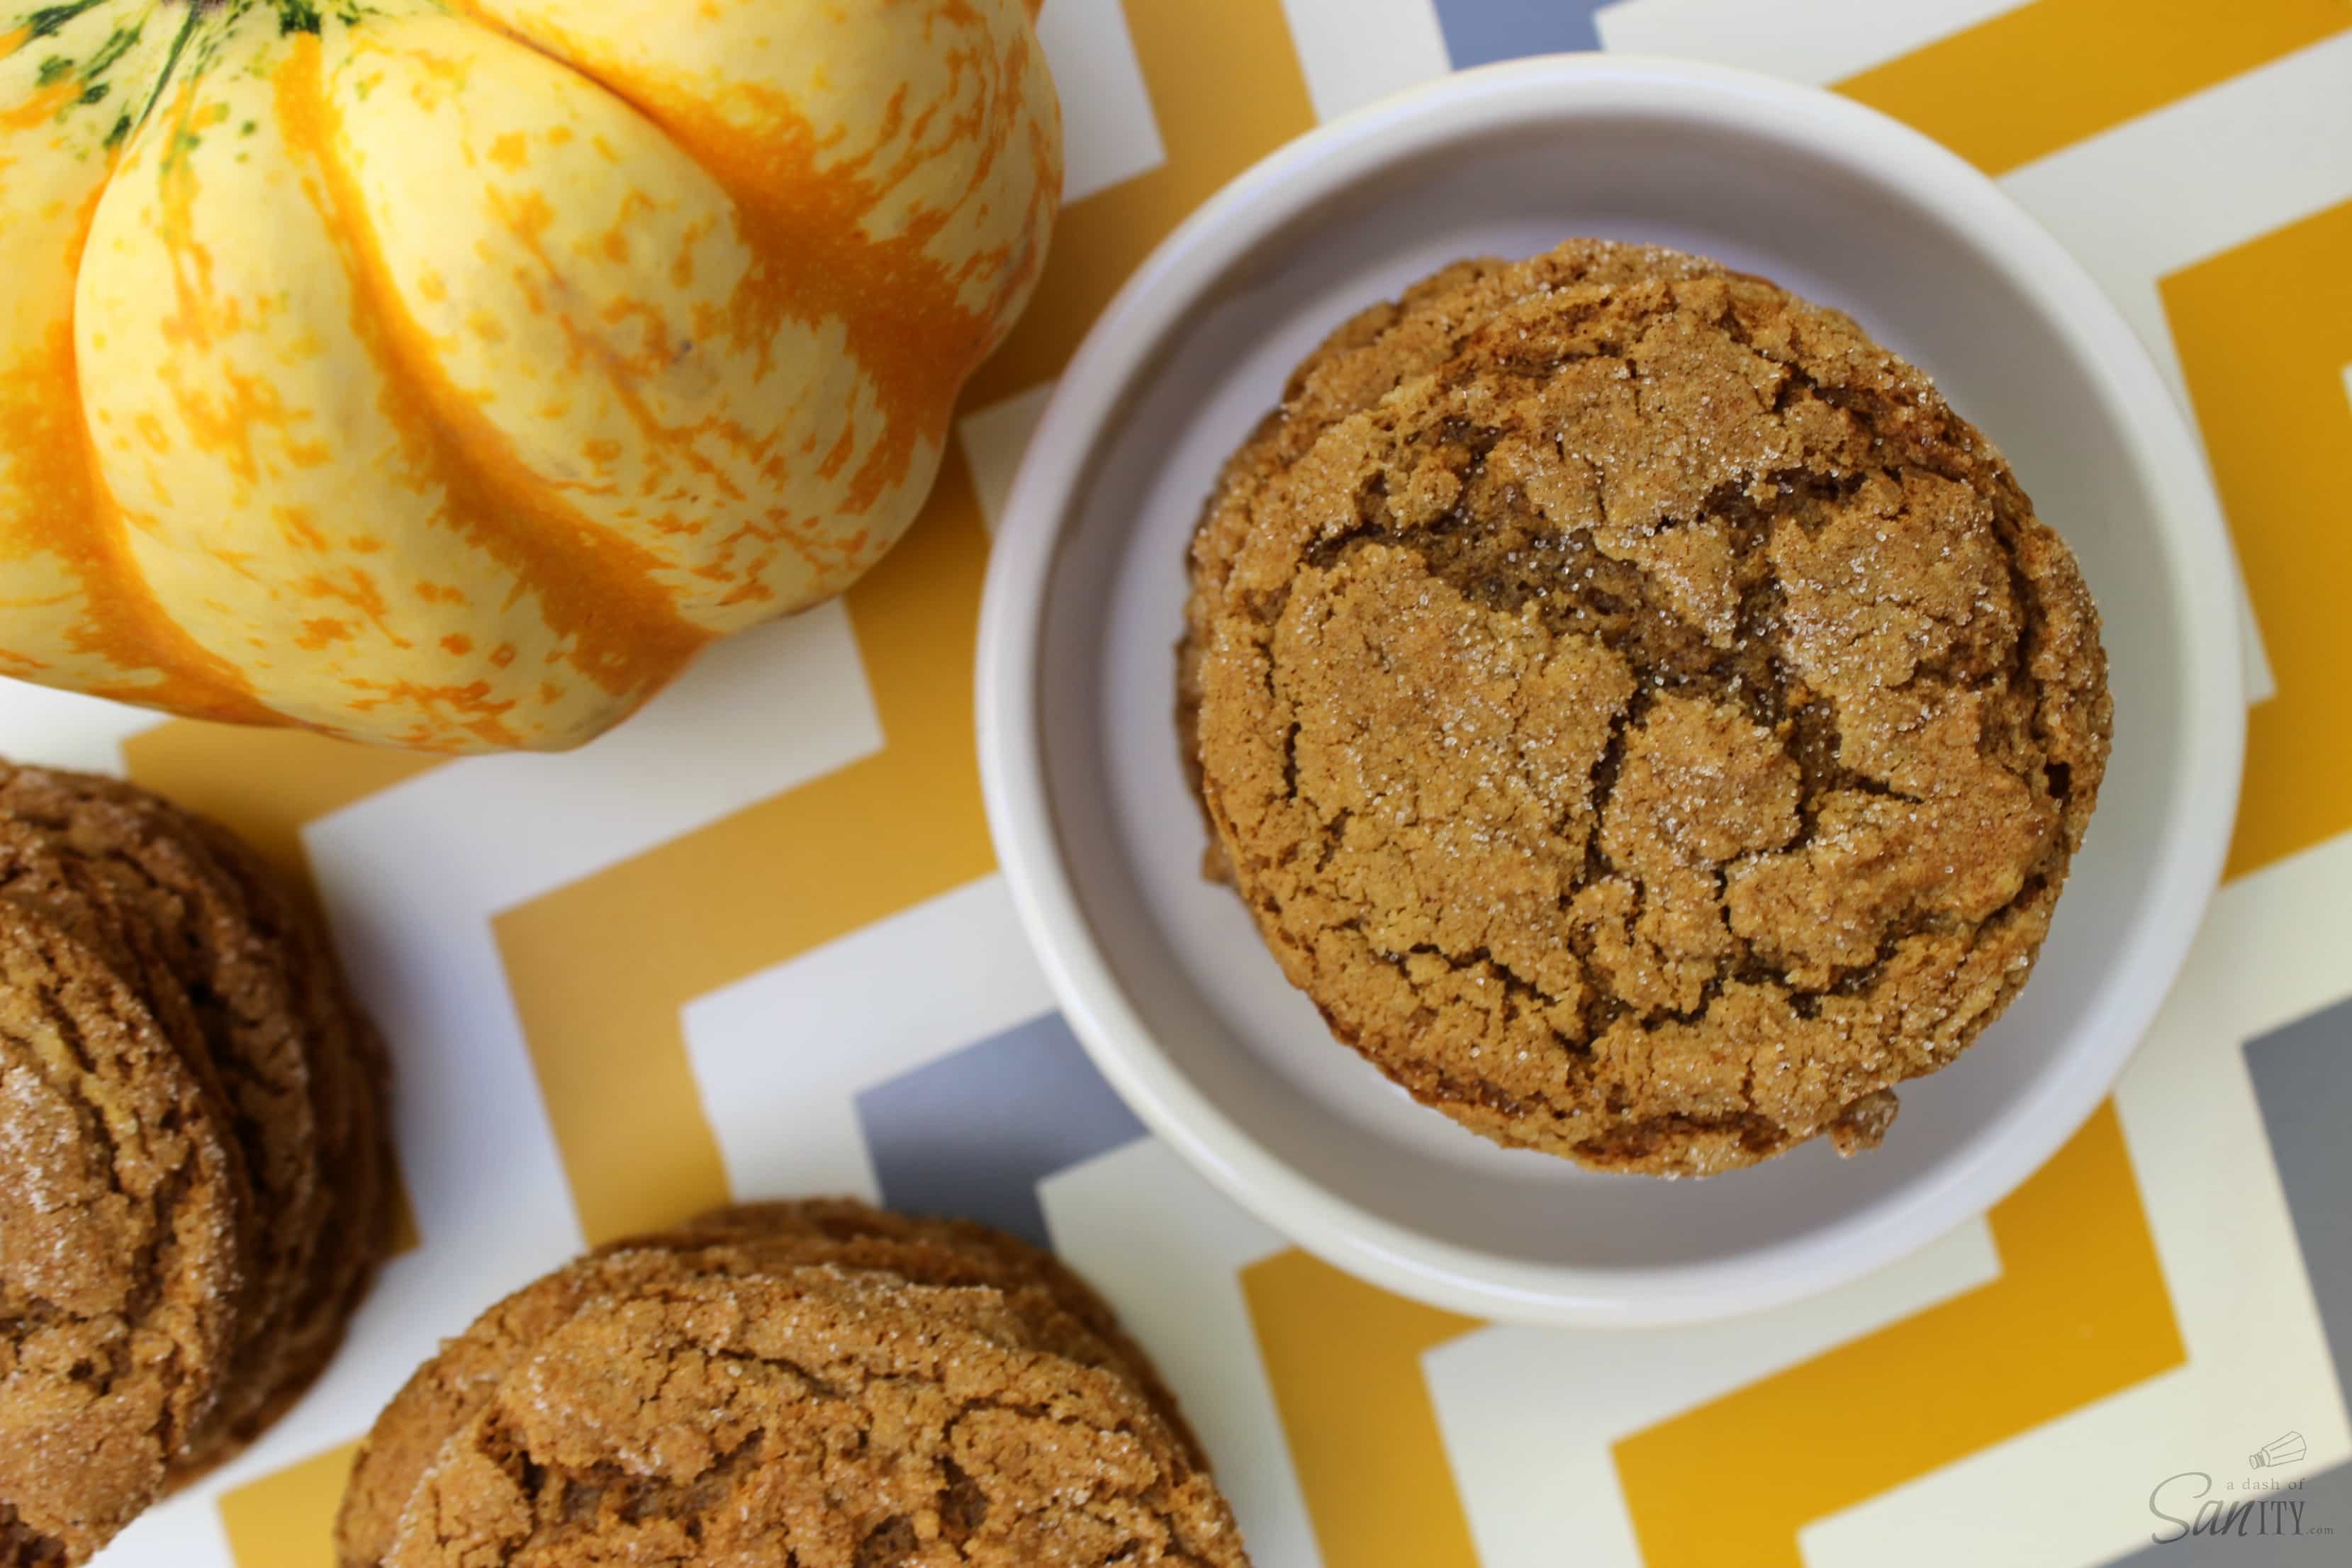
(449, 374)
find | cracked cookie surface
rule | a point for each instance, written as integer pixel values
(122, 1241)
(817, 1382)
(749, 1240)
(171, 1021)
(241, 977)
(1648, 722)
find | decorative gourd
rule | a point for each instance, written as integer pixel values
(447, 374)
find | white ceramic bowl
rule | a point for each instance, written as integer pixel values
(1164, 976)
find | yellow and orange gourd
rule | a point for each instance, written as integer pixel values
(448, 373)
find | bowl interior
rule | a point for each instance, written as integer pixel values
(1131, 837)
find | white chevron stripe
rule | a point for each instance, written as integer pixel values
(1803, 40)
(2197, 177)
(1354, 52)
(66, 729)
(1108, 131)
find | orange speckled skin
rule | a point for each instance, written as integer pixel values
(446, 375)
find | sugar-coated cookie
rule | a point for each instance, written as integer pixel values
(1644, 716)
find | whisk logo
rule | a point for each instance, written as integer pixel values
(2262, 1503)
(2278, 1451)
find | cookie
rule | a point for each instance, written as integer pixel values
(829, 1417)
(1644, 716)
(236, 947)
(350, 1085)
(123, 1220)
(983, 1255)
(744, 1241)
(236, 993)
(78, 897)
(1338, 376)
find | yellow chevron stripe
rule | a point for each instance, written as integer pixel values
(287, 1519)
(2080, 1312)
(2265, 332)
(1343, 1359)
(2029, 81)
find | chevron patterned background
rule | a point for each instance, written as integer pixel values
(627, 983)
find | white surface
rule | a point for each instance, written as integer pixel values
(174, 1534)
(1108, 131)
(1801, 40)
(1356, 52)
(1162, 976)
(76, 731)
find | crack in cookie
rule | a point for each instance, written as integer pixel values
(818, 1381)
(1648, 722)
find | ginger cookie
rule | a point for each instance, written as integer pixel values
(123, 1221)
(1643, 715)
(350, 1082)
(251, 963)
(765, 1254)
(829, 1418)
(75, 894)
(981, 1255)
(1339, 376)
(745, 1241)
(259, 1077)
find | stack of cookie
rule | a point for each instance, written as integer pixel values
(811, 1383)
(194, 1173)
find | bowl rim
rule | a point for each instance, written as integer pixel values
(1154, 303)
